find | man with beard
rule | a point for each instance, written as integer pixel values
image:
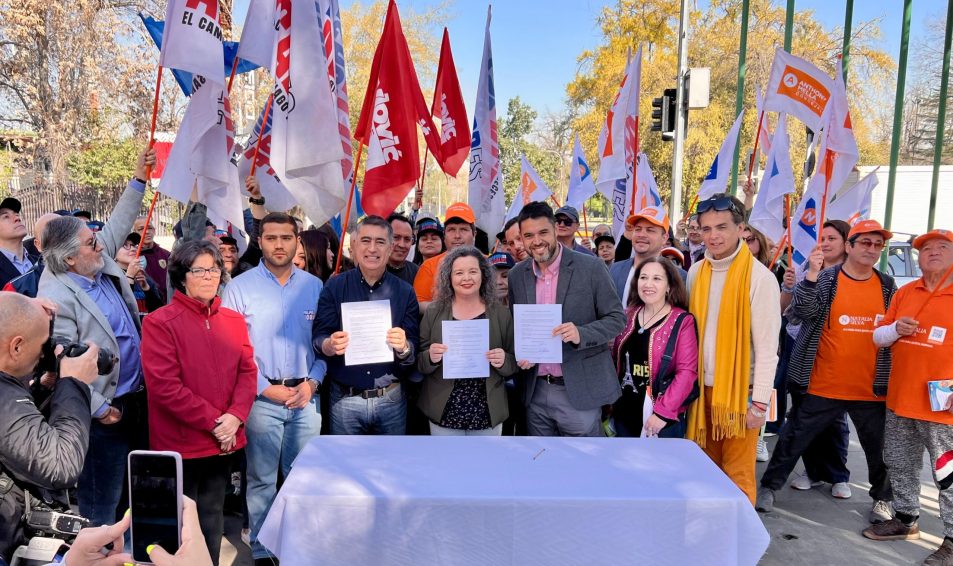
(459, 230)
(278, 301)
(648, 231)
(514, 242)
(566, 399)
(403, 243)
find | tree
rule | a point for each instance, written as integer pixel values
(105, 164)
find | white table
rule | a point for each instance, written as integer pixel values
(453, 501)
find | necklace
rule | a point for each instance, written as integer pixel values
(643, 325)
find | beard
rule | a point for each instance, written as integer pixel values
(547, 254)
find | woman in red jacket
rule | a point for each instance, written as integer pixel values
(201, 381)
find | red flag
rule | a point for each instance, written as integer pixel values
(393, 106)
(448, 106)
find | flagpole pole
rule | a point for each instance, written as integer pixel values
(347, 211)
(231, 76)
(585, 221)
(635, 160)
(754, 153)
(264, 122)
(790, 245)
(556, 202)
(152, 141)
(782, 245)
(419, 196)
(688, 213)
(829, 164)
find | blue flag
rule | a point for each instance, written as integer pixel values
(155, 27)
(356, 213)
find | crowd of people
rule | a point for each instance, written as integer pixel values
(234, 353)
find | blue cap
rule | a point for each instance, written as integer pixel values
(429, 225)
(502, 260)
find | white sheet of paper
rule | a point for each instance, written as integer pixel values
(467, 343)
(366, 323)
(533, 333)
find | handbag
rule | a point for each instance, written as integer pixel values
(666, 374)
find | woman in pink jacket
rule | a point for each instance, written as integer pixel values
(656, 355)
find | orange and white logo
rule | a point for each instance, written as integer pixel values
(804, 89)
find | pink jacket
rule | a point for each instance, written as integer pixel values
(684, 359)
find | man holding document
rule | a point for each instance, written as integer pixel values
(367, 330)
(566, 313)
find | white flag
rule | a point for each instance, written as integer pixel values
(797, 88)
(581, 185)
(258, 34)
(485, 194)
(720, 173)
(200, 157)
(764, 139)
(646, 189)
(306, 148)
(767, 215)
(276, 195)
(853, 203)
(192, 40)
(532, 188)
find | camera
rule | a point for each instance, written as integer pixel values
(49, 361)
(50, 529)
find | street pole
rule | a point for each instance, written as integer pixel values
(941, 115)
(739, 96)
(845, 52)
(681, 115)
(897, 120)
(788, 25)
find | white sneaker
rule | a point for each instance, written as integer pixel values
(762, 455)
(881, 512)
(803, 482)
(841, 490)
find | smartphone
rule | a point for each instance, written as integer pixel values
(155, 501)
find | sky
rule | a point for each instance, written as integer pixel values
(536, 42)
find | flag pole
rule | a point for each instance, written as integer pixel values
(585, 221)
(829, 164)
(152, 141)
(688, 213)
(782, 245)
(754, 153)
(231, 76)
(347, 211)
(635, 160)
(264, 122)
(790, 245)
(556, 202)
(419, 196)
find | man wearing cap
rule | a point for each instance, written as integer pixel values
(403, 242)
(567, 224)
(429, 239)
(918, 328)
(605, 248)
(28, 283)
(84, 215)
(14, 260)
(648, 231)
(459, 228)
(566, 399)
(835, 365)
(157, 257)
(234, 265)
(513, 243)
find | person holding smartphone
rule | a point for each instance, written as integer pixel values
(202, 378)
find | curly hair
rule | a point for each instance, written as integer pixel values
(443, 295)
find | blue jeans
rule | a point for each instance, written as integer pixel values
(276, 435)
(355, 415)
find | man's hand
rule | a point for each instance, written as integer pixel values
(397, 339)
(523, 364)
(226, 427)
(147, 160)
(83, 367)
(906, 326)
(278, 393)
(567, 332)
(336, 344)
(790, 278)
(300, 395)
(112, 416)
(815, 263)
(192, 551)
(496, 356)
(86, 549)
(252, 186)
(752, 421)
(436, 352)
(586, 242)
(681, 229)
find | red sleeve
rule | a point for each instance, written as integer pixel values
(163, 372)
(246, 389)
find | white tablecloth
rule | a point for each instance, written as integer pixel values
(452, 501)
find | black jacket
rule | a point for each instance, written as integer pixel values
(38, 452)
(8, 272)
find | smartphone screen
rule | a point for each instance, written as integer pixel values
(155, 502)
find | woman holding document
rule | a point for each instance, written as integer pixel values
(656, 355)
(463, 392)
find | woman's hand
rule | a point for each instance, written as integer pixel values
(87, 550)
(496, 356)
(192, 551)
(226, 426)
(436, 352)
(654, 425)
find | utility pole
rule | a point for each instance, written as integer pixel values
(681, 115)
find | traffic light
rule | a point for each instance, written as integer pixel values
(663, 114)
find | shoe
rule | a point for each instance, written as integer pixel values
(803, 482)
(943, 555)
(841, 490)
(246, 537)
(881, 512)
(894, 529)
(769, 434)
(762, 455)
(764, 502)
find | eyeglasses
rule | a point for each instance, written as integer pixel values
(201, 271)
(92, 244)
(565, 221)
(750, 239)
(869, 244)
(719, 204)
(129, 246)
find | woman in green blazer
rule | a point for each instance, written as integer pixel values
(465, 407)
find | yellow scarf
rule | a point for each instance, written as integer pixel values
(729, 402)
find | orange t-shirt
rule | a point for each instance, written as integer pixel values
(926, 355)
(426, 277)
(846, 361)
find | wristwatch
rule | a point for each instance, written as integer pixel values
(258, 201)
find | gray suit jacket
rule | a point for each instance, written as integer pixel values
(589, 301)
(78, 317)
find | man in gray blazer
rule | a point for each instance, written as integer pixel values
(648, 231)
(95, 304)
(566, 399)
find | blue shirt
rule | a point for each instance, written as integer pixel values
(103, 292)
(23, 265)
(350, 287)
(279, 319)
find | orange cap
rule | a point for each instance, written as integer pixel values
(460, 210)
(654, 214)
(932, 235)
(869, 227)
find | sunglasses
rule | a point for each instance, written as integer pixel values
(869, 244)
(565, 221)
(719, 204)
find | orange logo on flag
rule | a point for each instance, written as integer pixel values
(527, 186)
(803, 88)
(809, 217)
